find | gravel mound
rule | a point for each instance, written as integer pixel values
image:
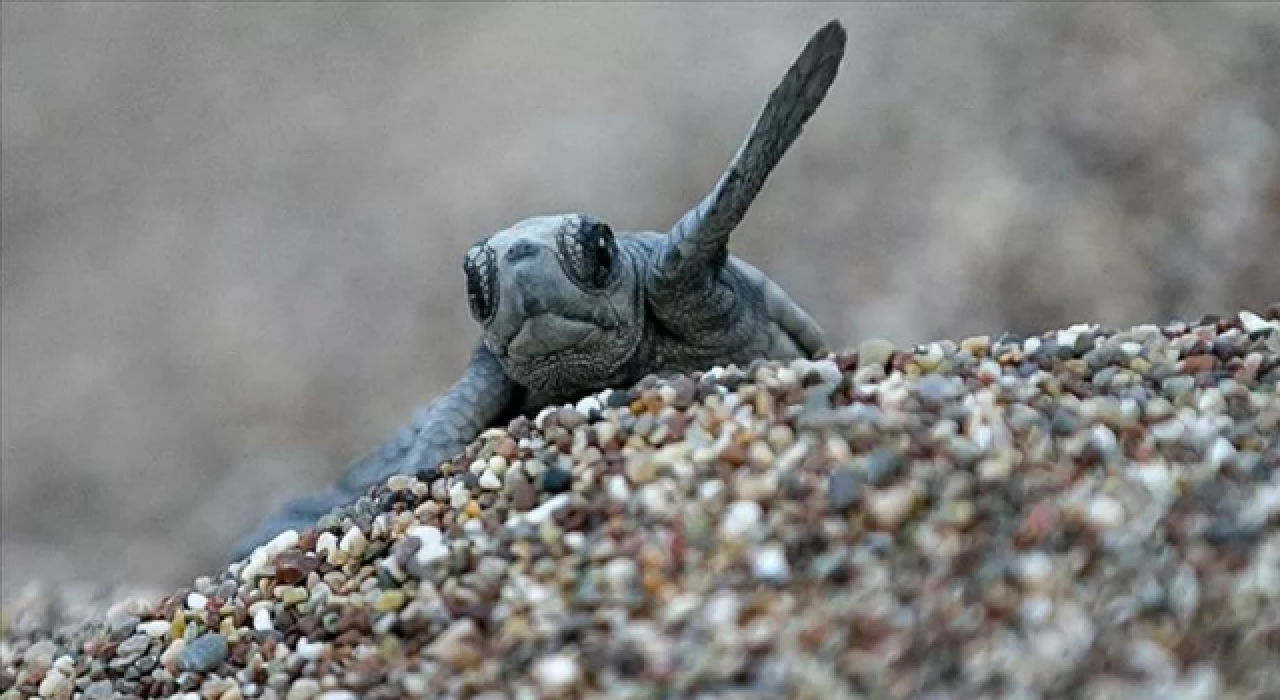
(1087, 513)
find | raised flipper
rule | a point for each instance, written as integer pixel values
(698, 244)
(438, 432)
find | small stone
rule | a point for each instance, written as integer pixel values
(936, 388)
(555, 479)
(205, 654)
(155, 628)
(458, 645)
(875, 352)
(741, 518)
(353, 543)
(1106, 512)
(56, 686)
(557, 673)
(99, 690)
(133, 647)
(326, 544)
(490, 481)
(40, 655)
(883, 466)
(171, 657)
(770, 564)
(303, 689)
(890, 508)
(196, 601)
(390, 601)
(1035, 569)
(843, 489)
(293, 566)
(459, 495)
(262, 620)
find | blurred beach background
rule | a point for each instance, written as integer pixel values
(232, 232)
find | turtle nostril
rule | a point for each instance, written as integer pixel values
(532, 306)
(521, 250)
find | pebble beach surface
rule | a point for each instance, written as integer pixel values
(1085, 513)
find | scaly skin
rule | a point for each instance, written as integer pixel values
(568, 308)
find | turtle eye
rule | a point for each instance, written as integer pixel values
(590, 250)
(482, 286)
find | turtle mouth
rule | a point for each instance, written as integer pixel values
(548, 334)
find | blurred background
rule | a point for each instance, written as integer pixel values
(232, 232)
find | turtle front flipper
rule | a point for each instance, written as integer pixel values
(438, 432)
(697, 245)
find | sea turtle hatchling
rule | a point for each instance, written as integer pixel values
(568, 307)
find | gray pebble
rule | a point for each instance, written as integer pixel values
(936, 388)
(883, 466)
(842, 489)
(99, 690)
(205, 654)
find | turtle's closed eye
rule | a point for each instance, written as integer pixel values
(482, 287)
(590, 253)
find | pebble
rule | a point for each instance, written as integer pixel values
(556, 673)
(262, 621)
(1088, 511)
(205, 653)
(56, 686)
(742, 518)
(843, 489)
(889, 508)
(875, 352)
(1106, 512)
(770, 564)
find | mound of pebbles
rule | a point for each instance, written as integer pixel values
(1086, 513)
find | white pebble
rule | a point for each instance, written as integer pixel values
(1220, 452)
(262, 621)
(557, 673)
(433, 548)
(309, 650)
(621, 573)
(458, 495)
(56, 686)
(490, 481)
(1036, 609)
(303, 689)
(337, 695)
(741, 518)
(326, 542)
(154, 628)
(710, 489)
(538, 515)
(1035, 569)
(281, 542)
(617, 488)
(353, 542)
(587, 405)
(1253, 322)
(1106, 512)
(1103, 439)
(195, 601)
(255, 565)
(770, 564)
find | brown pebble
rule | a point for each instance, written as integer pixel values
(523, 495)
(293, 566)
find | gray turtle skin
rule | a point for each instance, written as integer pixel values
(567, 307)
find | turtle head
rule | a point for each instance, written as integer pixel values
(559, 301)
